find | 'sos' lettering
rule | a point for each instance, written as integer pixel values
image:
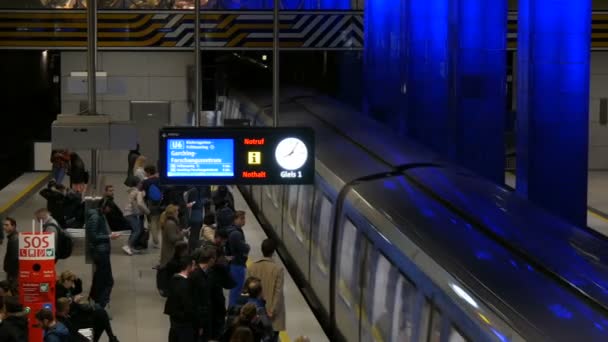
(36, 242)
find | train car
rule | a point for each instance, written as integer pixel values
(392, 243)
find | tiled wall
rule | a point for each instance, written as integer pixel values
(598, 134)
(159, 76)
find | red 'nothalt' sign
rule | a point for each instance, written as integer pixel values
(254, 174)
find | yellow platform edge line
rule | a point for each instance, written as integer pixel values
(25, 191)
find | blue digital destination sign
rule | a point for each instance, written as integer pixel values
(200, 157)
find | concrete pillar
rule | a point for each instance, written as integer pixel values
(554, 38)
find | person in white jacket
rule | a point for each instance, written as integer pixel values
(135, 208)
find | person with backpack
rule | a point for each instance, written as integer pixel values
(238, 249)
(153, 197)
(63, 241)
(99, 248)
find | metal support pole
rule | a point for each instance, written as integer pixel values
(92, 76)
(275, 65)
(197, 63)
(92, 55)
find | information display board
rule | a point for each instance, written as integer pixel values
(236, 155)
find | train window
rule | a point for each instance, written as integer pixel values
(455, 336)
(435, 332)
(275, 194)
(292, 206)
(322, 237)
(304, 204)
(349, 267)
(380, 297)
(425, 317)
(404, 314)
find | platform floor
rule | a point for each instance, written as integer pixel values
(597, 199)
(135, 306)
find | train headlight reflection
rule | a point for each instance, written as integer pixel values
(464, 295)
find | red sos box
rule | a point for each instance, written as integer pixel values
(37, 276)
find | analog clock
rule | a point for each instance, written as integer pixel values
(291, 153)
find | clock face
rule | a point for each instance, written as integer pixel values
(291, 153)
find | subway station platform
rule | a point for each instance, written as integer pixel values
(136, 307)
(597, 201)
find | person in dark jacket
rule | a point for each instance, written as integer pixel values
(63, 316)
(224, 217)
(11, 258)
(98, 245)
(238, 249)
(114, 216)
(196, 200)
(131, 158)
(77, 171)
(55, 197)
(219, 280)
(222, 197)
(85, 315)
(180, 305)
(201, 291)
(53, 331)
(14, 321)
(248, 317)
(167, 271)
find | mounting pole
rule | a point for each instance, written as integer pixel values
(275, 65)
(197, 63)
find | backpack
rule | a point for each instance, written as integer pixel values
(64, 247)
(155, 195)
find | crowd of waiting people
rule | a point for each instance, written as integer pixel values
(203, 252)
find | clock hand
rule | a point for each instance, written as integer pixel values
(293, 150)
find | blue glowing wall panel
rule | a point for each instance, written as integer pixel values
(427, 74)
(478, 35)
(384, 52)
(553, 105)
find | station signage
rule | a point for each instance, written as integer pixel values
(237, 155)
(36, 276)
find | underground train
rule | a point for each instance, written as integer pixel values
(392, 243)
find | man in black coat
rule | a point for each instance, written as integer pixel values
(98, 245)
(219, 280)
(201, 291)
(11, 258)
(180, 305)
(13, 327)
(77, 171)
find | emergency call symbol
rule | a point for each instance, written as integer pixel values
(254, 158)
(44, 287)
